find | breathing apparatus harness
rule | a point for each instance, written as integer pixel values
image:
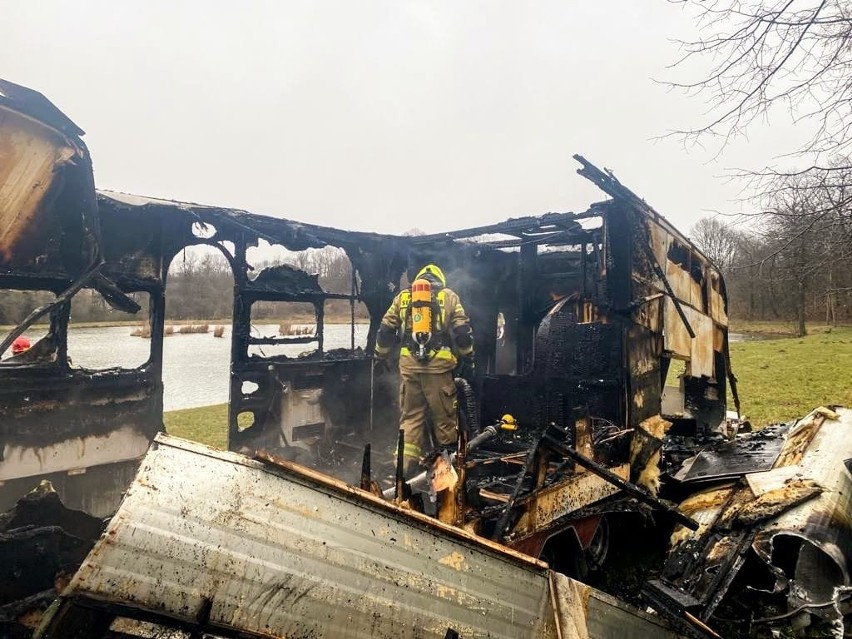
(423, 316)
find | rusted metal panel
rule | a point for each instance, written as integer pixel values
(585, 613)
(278, 554)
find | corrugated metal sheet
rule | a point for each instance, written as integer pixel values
(279, 554)
(585, 613)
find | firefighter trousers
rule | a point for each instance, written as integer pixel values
(424, 399)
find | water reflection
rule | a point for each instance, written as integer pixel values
(196, 367)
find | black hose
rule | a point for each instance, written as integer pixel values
(468, 411)
(484, 436)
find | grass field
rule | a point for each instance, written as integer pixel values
(208, 425)
(775, 327)
(779, 379)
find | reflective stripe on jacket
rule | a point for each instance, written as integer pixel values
(451, 314)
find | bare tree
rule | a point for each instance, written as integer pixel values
(793, 54)
(717, 240)
(766, 56)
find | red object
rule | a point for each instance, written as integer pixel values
(20, 345)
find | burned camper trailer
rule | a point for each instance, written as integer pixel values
(637, 298)
(599, 335)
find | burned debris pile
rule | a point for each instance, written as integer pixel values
(773, 547)
(590, 433)
(42, 544)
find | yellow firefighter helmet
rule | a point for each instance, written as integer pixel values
(434, 271)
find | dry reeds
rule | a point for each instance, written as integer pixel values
(188, 329)
(142, 331)
(286, 328)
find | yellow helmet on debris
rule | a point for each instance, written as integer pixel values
(434, 271)
(507, 422)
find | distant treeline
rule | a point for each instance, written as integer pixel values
(787, 264)
(791, 266)
(200, 287)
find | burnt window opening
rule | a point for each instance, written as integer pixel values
(285, 329)
(505, 352)
(686, 259)
(673, 400)
(203, 230)
(102, 338)
(201, 278)
(197, 314)
(332, 267)
(265, 255)
(245, 420)
(714, 281)
(15, 306)
(346, 325)
(330, 264)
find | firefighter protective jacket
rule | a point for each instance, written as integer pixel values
(451, 333)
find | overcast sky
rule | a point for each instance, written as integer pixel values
(378, 115)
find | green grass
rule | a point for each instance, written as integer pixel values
(779, 379)
(208, 424)
(775, 327)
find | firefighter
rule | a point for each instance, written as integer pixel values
(436, 338)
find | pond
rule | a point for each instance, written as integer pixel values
(196, 367)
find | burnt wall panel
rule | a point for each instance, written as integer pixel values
(132, 247)
(576, 365)
(38, 406)
(645, 379)
(705, 398)
(619, 256)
